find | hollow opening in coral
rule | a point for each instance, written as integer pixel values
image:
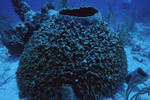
(81, 12)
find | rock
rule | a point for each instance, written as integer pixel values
(15, 39)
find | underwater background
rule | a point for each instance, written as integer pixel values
(126, 20)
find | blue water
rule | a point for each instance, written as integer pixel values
(121, 6)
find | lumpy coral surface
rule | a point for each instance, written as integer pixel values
(87, 58)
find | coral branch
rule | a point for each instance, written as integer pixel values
(22, 9)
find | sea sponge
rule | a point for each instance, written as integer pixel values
(15, 39)
(79, 52)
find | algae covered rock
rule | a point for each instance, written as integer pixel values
(15, 39)
(73, 50)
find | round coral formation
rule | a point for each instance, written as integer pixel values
(89, 58)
